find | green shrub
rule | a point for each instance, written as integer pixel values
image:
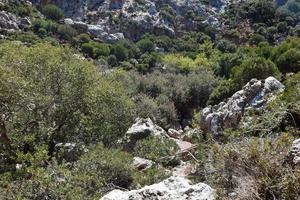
(112, 60)
(289, 61)
(253, 169)
(95, 49)
(255, 39)
(150, 176)
(111, 165)
(66, 32)
(254, 67)
(224, 90)
(34, 79)
(25, 37)
(146, 45)
(120, 52)
(226, 46)
(225, 63)
(52, 12)
(159, 150)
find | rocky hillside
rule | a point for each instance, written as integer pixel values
(115, 19)
(162, 99)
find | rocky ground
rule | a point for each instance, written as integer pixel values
(111, 21)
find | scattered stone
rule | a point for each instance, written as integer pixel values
(184, 169)
(9, 22)
(141, 163)
(173, 188)
(174, 134)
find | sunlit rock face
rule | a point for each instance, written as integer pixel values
(173, 188)
(254, 94)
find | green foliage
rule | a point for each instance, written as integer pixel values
(52, 12)
(95, 49)
(256, 67)
(25, 37)
(159, 150)
(150, 176)
(49, 95)
(225, 89)
(289, 61)
(48, 25)
(226, 46)
(66, 32)
(111, 166)
(146, 45)
(120, 52)
(253, 168)
(255, 39)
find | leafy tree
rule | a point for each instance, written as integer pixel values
(95, 49)
(49, 96)
(225, 89)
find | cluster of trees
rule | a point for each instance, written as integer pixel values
(262, 21)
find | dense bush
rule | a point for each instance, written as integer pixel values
(252, 169)
(146, 45)
(150, 176)
(256, 67)
(52, 12)
(224, 90)
(111, 166)
(48, 96)
(95, 49)
(289, 61)
(159, 150)
(66, 32)
(120, 52)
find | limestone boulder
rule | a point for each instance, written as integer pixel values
(173, 188)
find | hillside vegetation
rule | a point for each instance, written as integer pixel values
(69, 101)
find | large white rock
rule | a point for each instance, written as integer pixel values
(141, 163)
(141, 129)
(173, 188)
(255, 94)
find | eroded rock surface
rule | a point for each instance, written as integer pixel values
(254, 94)
(141, 163)
(173, 188)
(110, 19)
(141, 129)
(9, 22)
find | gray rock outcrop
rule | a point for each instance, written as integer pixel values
(254, 94)
(173, 188)
(141, 163)
(9, 22)
(141, 129)
(108, 20)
